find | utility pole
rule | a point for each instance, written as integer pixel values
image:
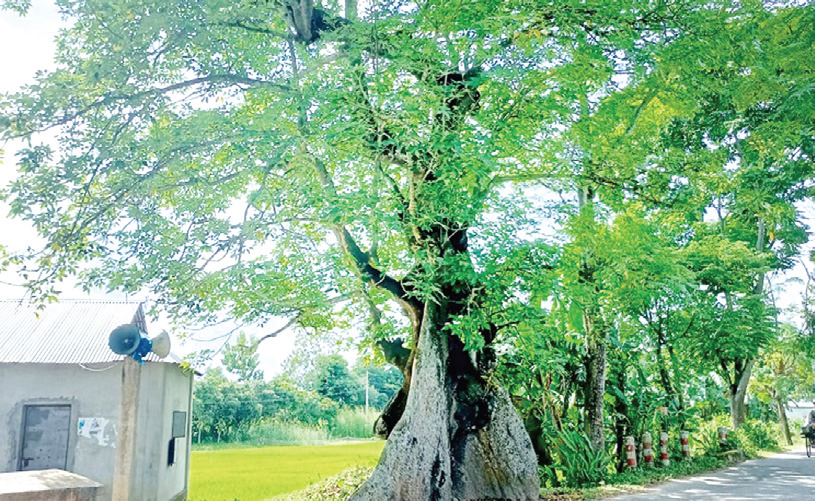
(366, 391)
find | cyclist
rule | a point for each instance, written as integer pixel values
(810, 425)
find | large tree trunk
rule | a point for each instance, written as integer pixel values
(782, 416)
(458, 438)
(738, 392)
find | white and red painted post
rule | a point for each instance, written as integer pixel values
(630, 452)
(684, 442)
(663, 449)
(647, 450)
(722, 435)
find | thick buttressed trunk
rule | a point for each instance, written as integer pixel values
(458, 437)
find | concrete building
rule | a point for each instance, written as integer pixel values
(68, 402)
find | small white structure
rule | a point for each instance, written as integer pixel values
(68, 402)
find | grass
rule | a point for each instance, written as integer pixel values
(259, 473)
(349, 423)
(636, 480)
(354, 423)
(287, 433)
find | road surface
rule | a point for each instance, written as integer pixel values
(785, 476)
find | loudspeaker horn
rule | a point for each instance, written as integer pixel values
(161, 344)
(128, 340)
(125, 339)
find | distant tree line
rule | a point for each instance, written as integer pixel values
(224, 408)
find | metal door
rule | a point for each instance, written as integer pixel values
(45, 437)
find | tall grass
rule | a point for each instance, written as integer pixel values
(350, 422)
(272, 432)
(354, 422)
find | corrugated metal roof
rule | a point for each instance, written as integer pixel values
(67, 332)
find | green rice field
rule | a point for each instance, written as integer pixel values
(258, 473)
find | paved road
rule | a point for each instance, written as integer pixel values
(785, 476)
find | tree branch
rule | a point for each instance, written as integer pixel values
(361, 259)
(278, 331)
(254, 29)
(111, 98)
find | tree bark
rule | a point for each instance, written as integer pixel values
(664, 376)
(386, 422)
(458, 438)
(782, 416)
(738, 391)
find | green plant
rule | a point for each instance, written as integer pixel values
(338, 487)
(705, 441)
(759, 434)
(354, 422)
(578, 462)
(274, 431)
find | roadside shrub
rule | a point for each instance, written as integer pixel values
(751, 437)
(578, 462)
(706, 440)
(760, 435)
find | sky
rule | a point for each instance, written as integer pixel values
(26, 46)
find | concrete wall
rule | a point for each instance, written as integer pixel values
(164, 388)
(93, 394)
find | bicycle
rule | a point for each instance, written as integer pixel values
(809, 439)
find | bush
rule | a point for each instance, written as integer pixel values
(578, 462)
(754, 435)
(705, 441)
(751, 437)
